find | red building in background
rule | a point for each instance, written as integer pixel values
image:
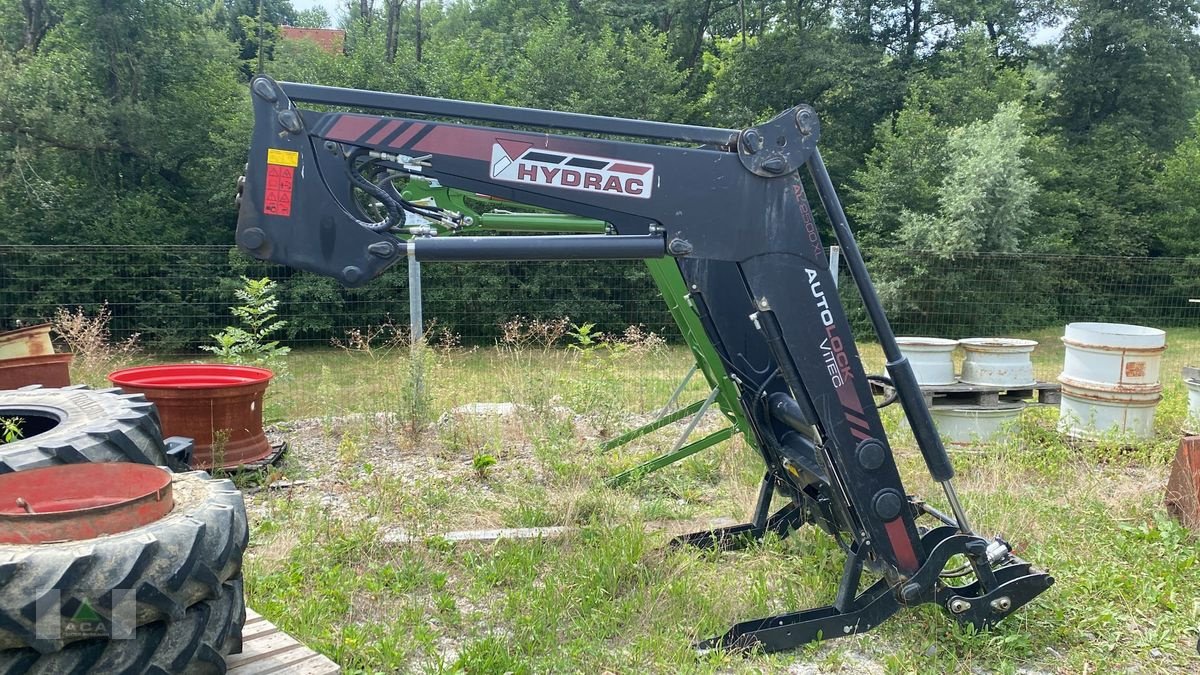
(329, 39)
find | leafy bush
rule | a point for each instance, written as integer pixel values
(250, 343)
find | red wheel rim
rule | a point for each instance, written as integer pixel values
(73, 502)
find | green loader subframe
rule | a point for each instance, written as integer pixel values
(664, 272)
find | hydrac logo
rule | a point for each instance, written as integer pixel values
(518, 162)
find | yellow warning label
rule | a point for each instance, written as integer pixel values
(283, 157)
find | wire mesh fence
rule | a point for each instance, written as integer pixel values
(177, 297)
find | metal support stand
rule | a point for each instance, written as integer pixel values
(416, 326)
(653, 426)
(679, 450)
(782, 522)
(679, 390)
(712, 395)
(980, 604)
(416, 319)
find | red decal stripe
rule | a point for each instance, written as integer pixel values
(858, 434)
(849, 397)
(513, 149)
(406, 135)
(901, 545)
(459, 142)
(629, 168)
(857, 421)
(349, 127)
(383, 133)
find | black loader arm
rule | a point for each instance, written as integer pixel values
(730, 207)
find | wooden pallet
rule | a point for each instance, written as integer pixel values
(982, 395)
(266, 649)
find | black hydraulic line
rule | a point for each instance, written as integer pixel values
(530, 117)
(907, 389)
(550, 247)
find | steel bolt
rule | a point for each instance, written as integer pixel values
(751, 141)
(1002, 604)
(888, 504)
(253, 238)
(871, 454)
(382, 249)
(290, 120)
(775, 165)
(679, 247)
(958, 605)
(263, 89)
(804, 121)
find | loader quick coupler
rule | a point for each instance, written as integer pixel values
(723, 219)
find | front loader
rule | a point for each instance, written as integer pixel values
(729, 210)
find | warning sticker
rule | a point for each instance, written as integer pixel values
(283, 157)
(278, 198)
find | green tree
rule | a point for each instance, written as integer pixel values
(240, 19)
(1178, 221)
(1132, 63)
(313, 17)
(851, 86)
(121, 127)
(623, 74)
(910, 160)
(984, 201)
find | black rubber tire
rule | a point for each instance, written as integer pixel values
(196, 643)
(171, 564)
(94, 425)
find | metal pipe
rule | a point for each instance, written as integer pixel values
(416, 319)
(416, 324)
(550, 247)
(540, 222)
(712, 396)
(528, 117)
(678, 390)
(907, 389)
(956, 506)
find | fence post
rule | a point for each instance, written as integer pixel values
(416, 320)
(416, 325)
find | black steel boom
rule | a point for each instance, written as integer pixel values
(734, 215)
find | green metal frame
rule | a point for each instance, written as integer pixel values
(666, 275)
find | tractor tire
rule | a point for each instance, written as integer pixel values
(198, 642)
(76, 424)
(169, 565)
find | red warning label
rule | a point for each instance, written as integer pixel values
(278, 200)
